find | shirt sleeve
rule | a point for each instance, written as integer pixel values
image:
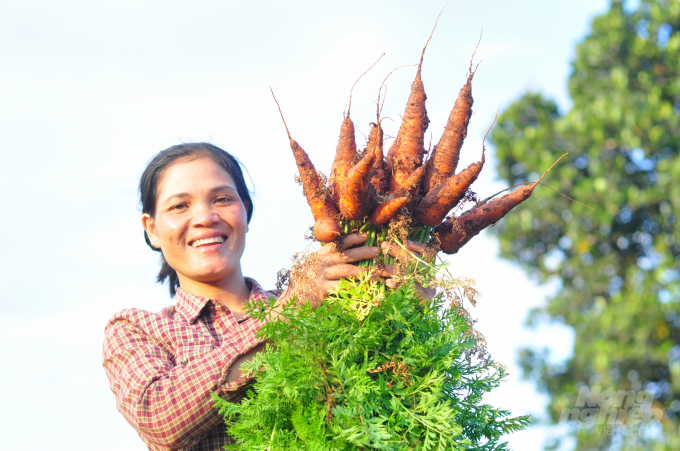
(170, 405)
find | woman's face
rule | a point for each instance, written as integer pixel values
(200, 222)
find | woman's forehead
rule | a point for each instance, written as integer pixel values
(192, 175)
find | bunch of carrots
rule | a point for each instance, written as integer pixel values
(366, 190)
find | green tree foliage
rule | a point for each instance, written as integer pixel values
(351, 376)
(618, 264)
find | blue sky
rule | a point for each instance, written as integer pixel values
(91, 90)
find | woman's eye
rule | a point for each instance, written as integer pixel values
(224, 200)
(178, 206)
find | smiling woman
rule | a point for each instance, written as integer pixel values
(162, 367)
(218, 163)
(200, 225)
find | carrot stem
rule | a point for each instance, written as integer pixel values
(423, 233)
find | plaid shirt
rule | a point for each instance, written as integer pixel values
(163, 366)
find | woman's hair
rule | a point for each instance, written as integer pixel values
(148, 188)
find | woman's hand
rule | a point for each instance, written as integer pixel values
(329, 266)
(417, 250)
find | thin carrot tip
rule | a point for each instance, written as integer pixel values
(546, 172)
(280, 112)
(422, 55)
(565, 196)
(475, 51)
(357, 80)
(489, 131)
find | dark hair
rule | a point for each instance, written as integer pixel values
(148, 188)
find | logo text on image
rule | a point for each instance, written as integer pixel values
(595, 407)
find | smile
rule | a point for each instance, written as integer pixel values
(203, 242)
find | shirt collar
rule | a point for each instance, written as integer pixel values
(190, 306)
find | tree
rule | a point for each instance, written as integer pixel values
(618, 264)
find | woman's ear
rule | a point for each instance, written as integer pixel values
(150, 229)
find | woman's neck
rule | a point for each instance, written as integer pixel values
(232, 291)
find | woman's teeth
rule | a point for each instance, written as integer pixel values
(217, 239)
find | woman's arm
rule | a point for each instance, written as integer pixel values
(168, 402)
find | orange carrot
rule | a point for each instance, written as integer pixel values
(355, 200)
(454, 233)
(412, 184)
(326, 229)
(323, 208)
(451, 235)
(317, 196)
(375, 145)
(346, 150)
(406, 152)
(444, 159)
(344, 155)
(386, 211)
(439, 201)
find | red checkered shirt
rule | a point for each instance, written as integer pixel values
(163, 366)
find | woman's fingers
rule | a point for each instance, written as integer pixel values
(331, 256)
(353, 239)
(417, 250)
(395, 250)
(415, 246)
(392, 249)
(429, 292)
(349, 241)
(342, 271)
(388, 271)
(354, 255)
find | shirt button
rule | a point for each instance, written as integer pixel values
(183, 360)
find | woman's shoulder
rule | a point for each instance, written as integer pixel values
(132, 329)
(135, 319)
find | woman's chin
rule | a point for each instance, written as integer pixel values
(213, 274)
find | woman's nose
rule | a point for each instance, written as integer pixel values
(205, 215)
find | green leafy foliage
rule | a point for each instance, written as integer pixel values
(618, 264)
(402, 378)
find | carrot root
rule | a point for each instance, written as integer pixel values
(375, 145)
(326, 229)
(407, 150)
(355, 200)
(344, 155)
(387, 210)
(444, 159)
(438, 202)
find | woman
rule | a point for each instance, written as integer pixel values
(163, 366)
